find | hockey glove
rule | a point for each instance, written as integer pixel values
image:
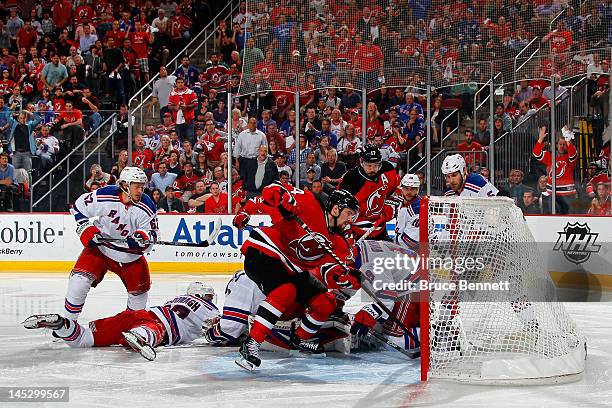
(350, 279)
(288, 206)
(365, 319)
(139, 240)
(89, 235)
(241, 220)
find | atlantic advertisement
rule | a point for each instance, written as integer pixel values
(48, 242)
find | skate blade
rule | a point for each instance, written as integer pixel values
(247, 365)
(298, 353)
(146, 351)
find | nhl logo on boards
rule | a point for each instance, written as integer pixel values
(307, 249)
(577, 242)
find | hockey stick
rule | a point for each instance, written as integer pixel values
(367, 290)
(207, 242)
(415, 353)
(370, 230)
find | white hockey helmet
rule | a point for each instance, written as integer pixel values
(410, 180)
(453, 163)
(201, 290)
(132, 175)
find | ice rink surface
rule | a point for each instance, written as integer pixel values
(207, 377)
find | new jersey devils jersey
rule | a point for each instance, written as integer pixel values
(287, 241)
(183, 317)
(564, 168)
(371, 195)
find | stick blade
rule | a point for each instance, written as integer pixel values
(215, 231)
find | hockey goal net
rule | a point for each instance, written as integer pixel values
(491, 315)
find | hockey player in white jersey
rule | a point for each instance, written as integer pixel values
(242, 298)
(461, 183)
(178, 321)
(122, 211)
(407, 225)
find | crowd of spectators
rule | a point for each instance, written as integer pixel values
(327, 49)
(66, 65)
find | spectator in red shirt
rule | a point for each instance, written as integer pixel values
(560, 38)
(601, 203)
(212, 143)
(71, 123)
(467, 147)
(26, 36)
(186, 181)
(565, 161)
(62, 12)
(141, 155)
(166, 127)
(182, 102)
(217, 202)
(537, 100)
(140, 40)
(370, 60)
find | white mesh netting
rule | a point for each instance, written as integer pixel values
(484, 334)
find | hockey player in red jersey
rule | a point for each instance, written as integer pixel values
(278, 259)
(178, 321)
(372, 182)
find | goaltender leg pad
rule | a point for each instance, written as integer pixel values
(333, 336)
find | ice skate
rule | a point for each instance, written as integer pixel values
(249, 355)
(312, 346)
(139, 344)
(51, 321)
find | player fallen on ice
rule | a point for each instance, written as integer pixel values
(122, 211)
(178, 321)
(372, 183)
(278, 259)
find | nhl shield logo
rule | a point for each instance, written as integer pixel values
(577, 242)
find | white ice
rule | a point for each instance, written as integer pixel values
(207, 377)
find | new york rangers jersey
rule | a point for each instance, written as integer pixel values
(407, 225)
(117, 220)
(475, 186)
(184, 316)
